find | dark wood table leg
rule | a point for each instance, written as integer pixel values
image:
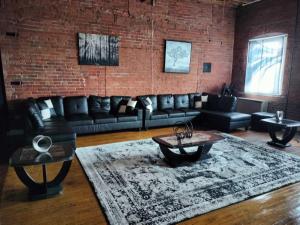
(288, 135)
(46, 188)
(175, 159)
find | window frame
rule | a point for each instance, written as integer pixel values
(261, 38)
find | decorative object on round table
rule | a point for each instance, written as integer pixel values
(42, 143)
(279, 116)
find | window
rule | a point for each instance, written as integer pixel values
(265, 65)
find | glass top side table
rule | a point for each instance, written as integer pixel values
(27, 156)
(289, 128)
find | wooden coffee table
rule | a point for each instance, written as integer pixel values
(202, 139)
(289, 128)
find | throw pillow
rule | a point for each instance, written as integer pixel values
(47, 107)
(148, 104)
(49, 103)
(122, 106)
(198, 102)
(204, 98)
(130, 106)
(122, 109)
(46, 114)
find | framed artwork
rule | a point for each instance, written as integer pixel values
(206, 67)
(97, 49)
(177, 56)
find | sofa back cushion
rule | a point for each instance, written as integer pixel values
(221, 103)
(227, 104)
(34, 114)
(99, 104)
(165, 101)
(76, 105)
(212, 102)
(115, 102)
(57, 102)
(181, 101)
(153, 99)
(192, 99)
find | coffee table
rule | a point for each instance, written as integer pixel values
(202, 139)
(289, 128)
(27, 156)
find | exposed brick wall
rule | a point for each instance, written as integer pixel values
(44, 55)
(270, 17)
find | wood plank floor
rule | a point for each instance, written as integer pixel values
(78, 205)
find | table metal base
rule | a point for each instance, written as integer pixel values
(275, 144)
(38, 194)
(45, 189)
(288, 134)
(175, 159)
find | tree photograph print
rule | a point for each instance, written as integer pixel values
(95, 49)
(177, 56)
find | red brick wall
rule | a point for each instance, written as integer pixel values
(44, 55)
(270, 17)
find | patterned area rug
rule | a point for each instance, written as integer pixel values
(135, 186)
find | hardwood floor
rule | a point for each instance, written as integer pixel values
(78, 205)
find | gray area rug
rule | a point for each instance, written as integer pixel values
(135, 186)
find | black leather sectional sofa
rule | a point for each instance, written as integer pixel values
(93, 114)
(80, 115)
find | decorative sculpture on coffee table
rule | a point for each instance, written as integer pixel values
(182, 132)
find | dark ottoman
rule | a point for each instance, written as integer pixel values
(256, 118)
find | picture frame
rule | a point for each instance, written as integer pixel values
(98, 49)
(177, 56)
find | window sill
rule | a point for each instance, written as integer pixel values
(262, 96)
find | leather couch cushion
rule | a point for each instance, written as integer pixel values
(57, 102)
(227, 104)
(192, 99)
(104, 118)
(76, 105)
(165, 102)
(80, 119)
(212, 102)
(126, 118)
(228, 116)
(99, 104)
(181, 101)
(190, 112)
(57, 134)
(115, 102)
(34, 114)
(221, 103)
(174, 113)
(156, 115)
(55, 121)
(153, 99)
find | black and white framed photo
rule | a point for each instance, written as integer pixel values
(177, 56)
(97, 49)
